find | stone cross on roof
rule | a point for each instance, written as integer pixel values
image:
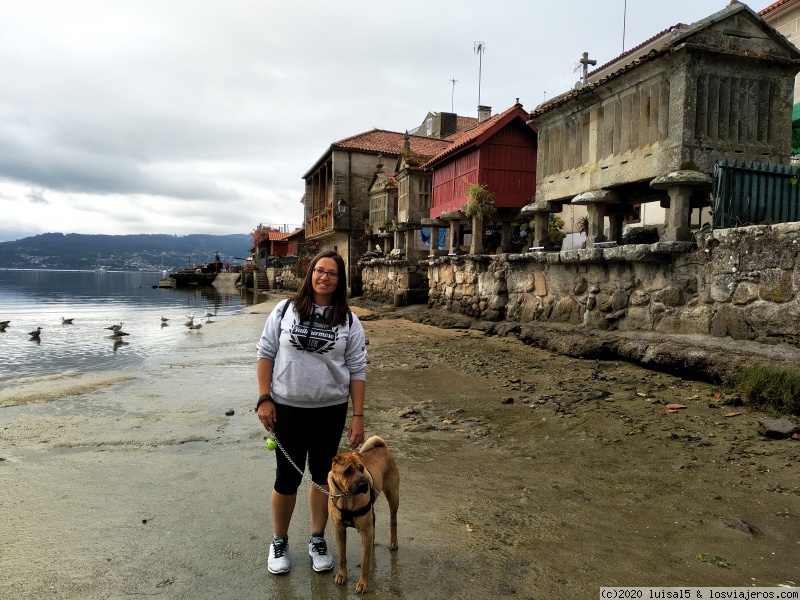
(585, 62)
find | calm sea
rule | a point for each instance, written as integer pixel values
(96, 300)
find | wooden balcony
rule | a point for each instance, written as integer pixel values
(318, 224)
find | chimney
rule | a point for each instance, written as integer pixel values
(448, 124)
(484, 112)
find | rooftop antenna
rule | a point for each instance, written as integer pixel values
(479, 48)
(624, 19)
(452, 93)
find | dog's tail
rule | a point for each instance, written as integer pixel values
(374, 442)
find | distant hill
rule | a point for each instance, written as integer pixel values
(142, 252)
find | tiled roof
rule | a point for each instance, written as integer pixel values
(773, 7)
(574, 93)
(464, 138)
(463, 123)
(675, 39)
(635, 49)
(391, 143)
(276, 236)
(296, 232)
(388, 143)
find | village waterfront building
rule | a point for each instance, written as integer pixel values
(653, 129)
(498, 153)
(337, 188)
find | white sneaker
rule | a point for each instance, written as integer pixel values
(321, 561)
(278, 561)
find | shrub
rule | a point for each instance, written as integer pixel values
(554, 234)
(641, 235)
(772, 388)
(480, 202)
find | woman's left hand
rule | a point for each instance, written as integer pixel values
(355, 433)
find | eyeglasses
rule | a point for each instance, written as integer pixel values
(319, 272)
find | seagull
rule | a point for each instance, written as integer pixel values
(66, 321)
(115, 327)
(5, 323)
(119, 333)
(164, 319)
(3, 326)
(190, 322)
(198, 326)
(35, 333)
(209, 314)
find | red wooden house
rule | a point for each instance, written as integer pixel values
(277, 244)
(284, 244)
(499, 152)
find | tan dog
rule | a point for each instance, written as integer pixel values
(361, 477)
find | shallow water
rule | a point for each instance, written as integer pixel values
(96, 300)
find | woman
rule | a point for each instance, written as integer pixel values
(312, 359)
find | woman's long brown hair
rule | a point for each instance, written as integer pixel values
(303, 299)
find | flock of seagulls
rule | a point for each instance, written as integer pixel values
(117, 333)
(195, 326)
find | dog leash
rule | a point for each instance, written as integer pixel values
(303, 475)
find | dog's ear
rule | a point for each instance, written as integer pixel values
(337, 460)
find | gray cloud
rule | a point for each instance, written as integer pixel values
(37, 197)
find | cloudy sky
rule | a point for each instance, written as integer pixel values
(201, 116)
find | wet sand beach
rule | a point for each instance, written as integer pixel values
(524, 474)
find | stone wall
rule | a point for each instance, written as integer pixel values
(397, 282)
(743, 283)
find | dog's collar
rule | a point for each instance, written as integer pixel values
(344, 494)
(348, 516)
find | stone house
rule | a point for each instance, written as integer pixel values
(651, 131)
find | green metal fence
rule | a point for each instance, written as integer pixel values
(755, 193)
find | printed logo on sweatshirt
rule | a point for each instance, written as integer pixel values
(312, 334)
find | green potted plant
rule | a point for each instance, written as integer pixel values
(480, 202)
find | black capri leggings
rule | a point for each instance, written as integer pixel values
(312, 432)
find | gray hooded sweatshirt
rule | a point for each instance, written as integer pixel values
(313, 362)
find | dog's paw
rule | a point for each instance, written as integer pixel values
(340, 578)
(361, 587)
(392, 545)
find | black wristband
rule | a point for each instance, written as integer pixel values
(263, 398)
